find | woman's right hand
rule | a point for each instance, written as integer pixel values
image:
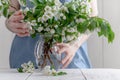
(15, 25)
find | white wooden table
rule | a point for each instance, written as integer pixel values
(72, 74)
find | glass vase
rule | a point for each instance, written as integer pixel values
(46, 54)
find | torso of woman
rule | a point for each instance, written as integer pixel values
(22, 51)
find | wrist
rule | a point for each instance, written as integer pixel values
(80, 40)
(77, 43)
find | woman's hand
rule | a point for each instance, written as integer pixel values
(69, 50)
(15, 25)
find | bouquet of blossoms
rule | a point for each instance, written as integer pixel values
(60, 21)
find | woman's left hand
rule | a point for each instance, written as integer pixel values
(69, 50)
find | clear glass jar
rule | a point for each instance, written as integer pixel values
(46, 54)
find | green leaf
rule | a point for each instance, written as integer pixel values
(58, 38)
(5, 11)
(33, 35)
(39, 10)
(93, 24)
(29, 16)
(0, 8)
(58, 30)
(52, 67)
(105, 29)
(82, 27)
(61, 73)
(20, 70)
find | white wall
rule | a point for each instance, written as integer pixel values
(112, 51)
(107, 55)
(5, 43)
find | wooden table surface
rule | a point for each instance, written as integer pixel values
(72, 74)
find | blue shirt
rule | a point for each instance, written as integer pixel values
(22, 51)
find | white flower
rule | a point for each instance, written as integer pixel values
(57, 3)
(24, 70)
(40, 29)
(61, 14)
(29, 63)
(69, 38)
(49, 14)
(73, 7)
(56, 26)
(71, 30)
(83, 11)
(46, 70)
(75, 17)
(52, 31)
(24, 65)
(55, 8)
(25, 10)
(54, 71)
(68, 25)
(64, 8)
(47, 29)
(57, 16)
(82, 3)
(47, 8)
(28, 67)
(64, 17)
(79, 20)
(33, 21)
(28, 25)
(32, 31)
(39, 19)
(45, 18)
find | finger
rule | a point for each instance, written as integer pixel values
(15, 30)
(16, 18)
(67, 63)
(65, 59)
(62, 44)
(21, 31)
(18, 25)
(22, 34)
(63, 49)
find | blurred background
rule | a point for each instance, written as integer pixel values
(102, 54)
